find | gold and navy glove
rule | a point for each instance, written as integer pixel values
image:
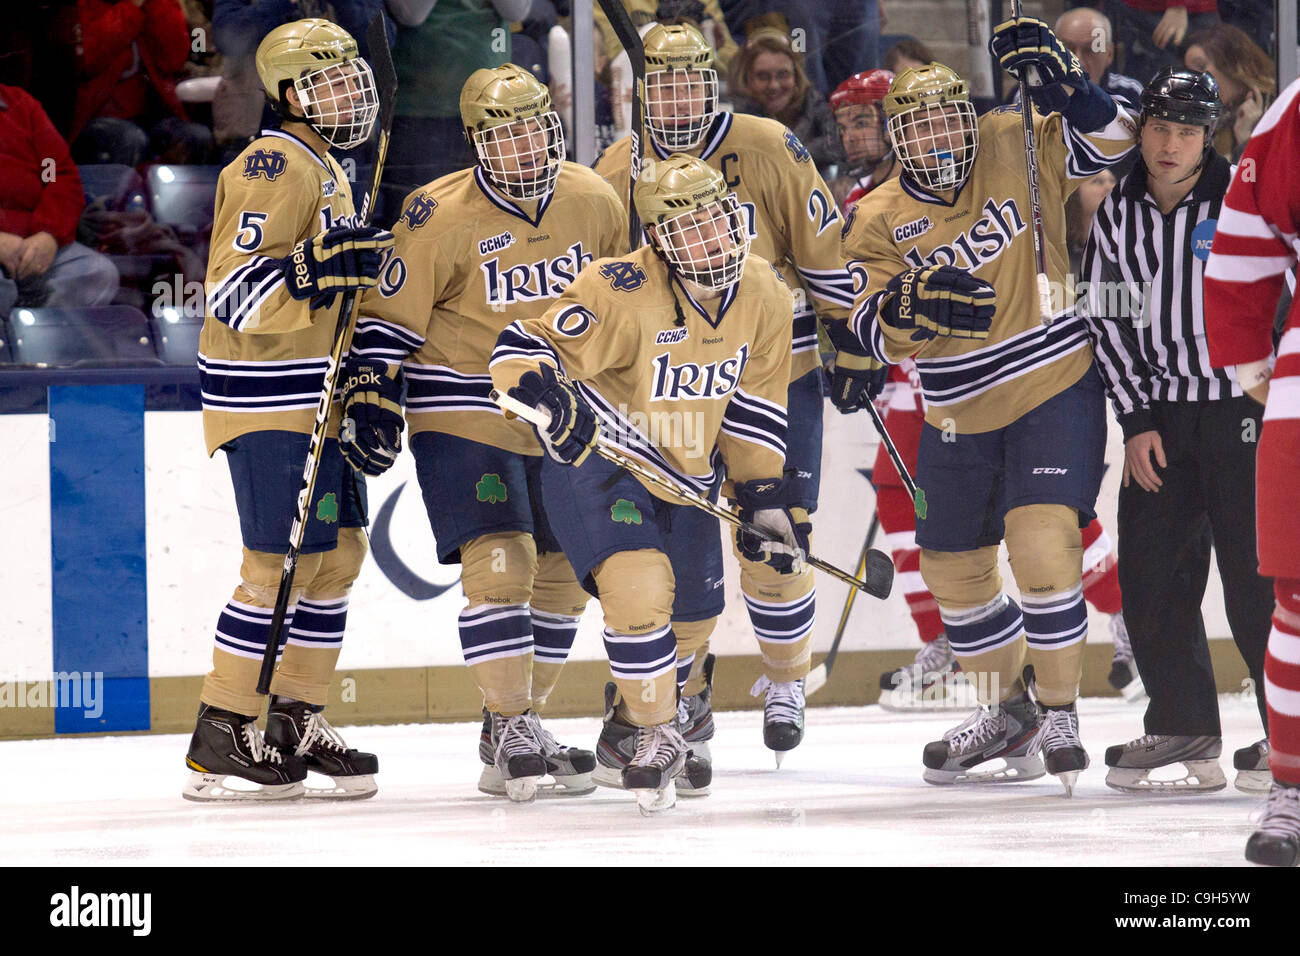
(939, 300)
(573, 430)
(1025, 45)
(764, 504)
(338, 259)
(371, 435)
(857, 377)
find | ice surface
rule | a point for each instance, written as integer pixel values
(850, 794)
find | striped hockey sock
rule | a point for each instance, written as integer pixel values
(553, 636)
(644, 667)
(497, 641)
(1282, 683)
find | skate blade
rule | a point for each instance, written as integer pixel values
(685, 790)
(611, 777)
(491, 782)
(522, 789)
(212, 788)
(1068, 778)
(1253, 781)
(358, 787)
(650, 801)
(1015, 770)
(701, 749)
(1200, 776)
(779, 755)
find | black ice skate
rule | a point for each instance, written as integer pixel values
(569, 768)
(1277, 841)
(1123, 669)
(695, 715)
(301, 729)
(660, 756)
(516, 757)
(989, 746)
(1058, 741)
(1251, 764)
(1132, 764)
(228, 746)
(617, 747)
(782, 715)
(931, 682)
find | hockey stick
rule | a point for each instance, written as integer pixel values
(628, 36)
(820, 674)
(892, 451)
(1035, 200)
(381, 64)
(878, 568)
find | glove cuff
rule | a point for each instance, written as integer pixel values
(1090, 108)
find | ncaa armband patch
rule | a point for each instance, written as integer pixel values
(269, 164)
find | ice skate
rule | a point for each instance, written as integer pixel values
(1132, 764)
(1251, 764)
(293, 726)
(695, 715)
(1123, 669)
(1058, 741)
(516, 757)
(782, 714)
(932, 681)
(1277, 840)
(617, 747)
(227, 747)
(989, 746)
(568, 769)
(660, 756)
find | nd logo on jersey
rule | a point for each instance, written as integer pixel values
(691, 381)
(623, 276)
(797, 149)
(983, 242)
(418, 211)
(267, 163)
(543, 279)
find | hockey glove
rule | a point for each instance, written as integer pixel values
(763, 504)
(371, 436)
(573, 430)
(939, 300)
(857, 377)
(336, 260)
(1024, 45)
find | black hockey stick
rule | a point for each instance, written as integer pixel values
(1035, 201)
(894, 456)
(820, 674)
(381, 64)
(628, 36)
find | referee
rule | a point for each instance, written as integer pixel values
(1189, 440)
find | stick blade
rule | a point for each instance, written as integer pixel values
(878, 573)
(815, 680)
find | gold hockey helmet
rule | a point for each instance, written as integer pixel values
(933, 125)
(509, 120)
(334, 84)
(681, 85)
(694, 222)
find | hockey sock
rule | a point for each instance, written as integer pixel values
(1056, 627)
(684, 665)
(315, 639)
(553, 636)
(644, 667)
(988, 643)
(781, 609)
(497, 641)
(1100, 570)
(1282, 683)
(898, 518)
(242, 633)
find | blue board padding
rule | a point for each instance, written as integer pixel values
(97, 545)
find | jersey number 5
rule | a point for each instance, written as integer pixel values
(249, 236)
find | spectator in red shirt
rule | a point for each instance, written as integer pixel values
(131, 54)
(40, 204)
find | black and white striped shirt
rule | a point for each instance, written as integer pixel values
(1142, 272)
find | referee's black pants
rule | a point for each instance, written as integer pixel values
(1164, 561)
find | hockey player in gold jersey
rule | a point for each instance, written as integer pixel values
(1015, 422)
(476, 250)
(678, 355)
(285, 243)
(793, 222)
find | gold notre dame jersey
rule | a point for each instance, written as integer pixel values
(791, 216)
(467, 263)
(973, 385)
(262, 353)
(686, 399)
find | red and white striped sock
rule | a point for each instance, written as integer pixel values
(1100, 570)
(1282, 683)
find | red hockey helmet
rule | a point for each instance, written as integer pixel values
(860, 116)
(866, 88)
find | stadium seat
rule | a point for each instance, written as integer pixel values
(176, 332)
(111, 335)
(119, 187)
(183, 196)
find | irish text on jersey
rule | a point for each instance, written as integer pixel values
(527, 281)
(689, 380)
(983, 242)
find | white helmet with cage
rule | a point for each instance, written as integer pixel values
(694, 222)
(933, 126)
(681, 85)
(515, 131)
(333, 84)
